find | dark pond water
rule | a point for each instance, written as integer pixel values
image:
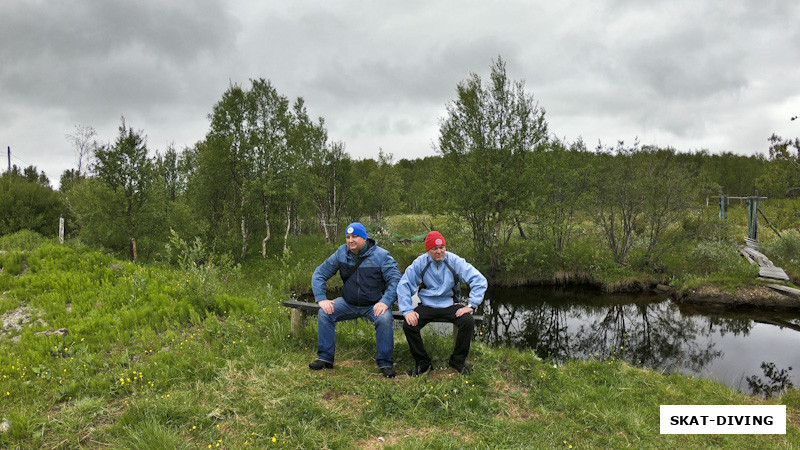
(754, 351)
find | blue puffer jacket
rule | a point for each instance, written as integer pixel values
(375, 279)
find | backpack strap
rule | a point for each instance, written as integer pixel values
(352, 272)
(422, 284)
(456, 280)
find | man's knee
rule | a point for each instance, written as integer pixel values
(409, 328)
(384, 319)
(322, 316)
(466, 320)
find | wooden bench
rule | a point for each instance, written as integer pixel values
(300, 311)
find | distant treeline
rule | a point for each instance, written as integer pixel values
(266, 170)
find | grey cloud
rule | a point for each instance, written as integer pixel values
(92, 54)
(688, 74)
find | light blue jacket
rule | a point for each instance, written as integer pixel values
(439, 282)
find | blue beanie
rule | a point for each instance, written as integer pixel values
(356, 228)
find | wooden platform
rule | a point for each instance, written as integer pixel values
(766, 268)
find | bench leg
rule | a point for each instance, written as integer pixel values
(298, 317)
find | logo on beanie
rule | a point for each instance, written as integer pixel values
(438, 242)
(350, 230)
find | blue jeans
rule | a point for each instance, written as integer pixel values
(326, 330)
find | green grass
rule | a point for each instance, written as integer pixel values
(160, 357)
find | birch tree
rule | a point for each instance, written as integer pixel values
(486, 139)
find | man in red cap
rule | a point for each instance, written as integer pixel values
(436, 277)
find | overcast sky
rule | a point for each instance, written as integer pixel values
(715, 75)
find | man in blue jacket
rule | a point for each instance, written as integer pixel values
(369, 288)
(436, 276)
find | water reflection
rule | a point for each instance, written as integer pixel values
(648, 331)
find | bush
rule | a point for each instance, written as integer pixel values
(719, 257)
(26, 240)
(785, 248)
(12, 263)
(785, 251)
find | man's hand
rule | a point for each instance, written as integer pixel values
(379, 308)
(412, 318)
(326, 305)
(464, 310)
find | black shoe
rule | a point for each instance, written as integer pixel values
(388, 372)
(320, 364)
(419, 369)
(462, 368)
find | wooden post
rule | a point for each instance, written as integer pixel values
(134, 250)
(61, 229)
(752, 218)
(298, 319)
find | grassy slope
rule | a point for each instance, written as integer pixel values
(166, 358)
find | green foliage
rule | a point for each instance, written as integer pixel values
(145, 366)
(560, 176)
(783, 214)
(378, 192)
(639, 193)
(98, 208)
(330, 181)
(12, 263)
(783, 177)
(721, 257)
(487, 140)
(22, 240)
(120, 208)
(727, 173)
(27, 202)
(784, 251)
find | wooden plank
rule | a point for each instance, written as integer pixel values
(750, 258)
(757, 256)
(752, 243)
(773, 272)
(313, 308)
(785, 289)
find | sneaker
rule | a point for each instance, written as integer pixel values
(388, 372)
(320, 364)
(419, 369)
(462, 369)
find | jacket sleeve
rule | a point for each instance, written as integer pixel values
(476, 281)
(408, 287)
(391, 274)
(322, 274)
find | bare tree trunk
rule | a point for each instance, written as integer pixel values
(288, 224)
(264, 241)
(322, 222)
(244, 239)
(134, 250)
(519, 226)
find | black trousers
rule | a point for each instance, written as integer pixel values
(465, 325)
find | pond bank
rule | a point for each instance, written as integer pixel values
(749, 296)
(754, 295)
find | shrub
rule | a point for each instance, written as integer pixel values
(12, 263)
(785, 250)
(721, 257)
(22, 240)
